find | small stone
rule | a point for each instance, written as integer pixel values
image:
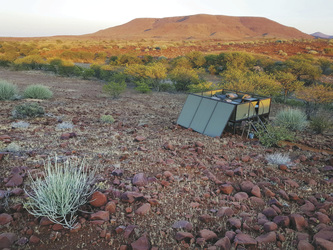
(246, 186)
(140, 138)
(238, 171)
(246, 158)
(207, 234)
(16, 180)
(223, 244)
(57, 227)
(235, 223)
(168, 146)
(226, 188)
(304, 245)
(128, 231)
(182, 224)
(100, 215)
(241, 196)
(283, 167)
(266, 238)
(323, 218)
(7, 240)
(225, 211)
(130, 197)
(183, 236)
(323, 244)
(298, 222)
(5, 218)
(307, 207)
(144, 209)
(141, 244)
(21, 242)
(34, 239)
(257, 202)
(111, 207)
(256, 191)
(244, 239)
(98, 199)
(44, 221)
(269, 212)
(140, 180)
(270, 226)
(76, 228)
(282, 221)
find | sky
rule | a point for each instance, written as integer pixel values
(35, 18)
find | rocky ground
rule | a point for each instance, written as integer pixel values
(161, 186)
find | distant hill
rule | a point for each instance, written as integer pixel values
(321, 35)
(201, 27)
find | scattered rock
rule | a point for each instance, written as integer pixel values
(225, 211)
(141, 244)
(98, 199)
(235, 223)
(182, 224)
(282, 221)
(140, 138)
(304, 245)
(269, 213)
(168, 146)
(144, 209)
(100, 215)
(246, 186)
(140, 180)
(44, 221)
(323, 244)
(207, 234)
(130, 197)
(111, 207)
(34, 240)
(244, 239)
(240, 196)
(256, 191)
(270, 226)
(298, 222)
(7, 240)
(223, 244)
(15, 181)
(266, 238)
(5, 218)
(226, 188)
(128, 231)
(183, 236)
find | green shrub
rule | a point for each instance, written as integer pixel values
(114, 89)
(27, 110)
(7, 90)
(293, 119)
(273, 135)
(320, 123)
(142, 87)
(60, 194)
(107, 119)
(37, 91)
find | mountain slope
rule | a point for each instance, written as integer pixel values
(200, 27)
(321, 35)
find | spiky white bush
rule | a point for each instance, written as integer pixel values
(279, 159)
(58, 196)
(20, 124)
(65, 125)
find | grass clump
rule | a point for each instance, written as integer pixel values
(60, 194)
(107, 119)
(279, 159)
(27, 110)
(114, 89)
(37, 91)
(7, 90)
(272, 135)
(293, 119)
(321, 123)
(20, 124)
(65, 125)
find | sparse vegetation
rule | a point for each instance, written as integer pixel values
(28, 110)
(37, 91)
(278, 159)
(7, 90)
(293, 119)
(273, 135)
(65, 188)
(114, 89)
(107, 119)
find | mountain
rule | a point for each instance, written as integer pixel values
(201, 27)
(321, 35)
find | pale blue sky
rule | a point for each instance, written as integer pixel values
(77, 17)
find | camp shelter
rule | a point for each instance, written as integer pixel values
(210, 112)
